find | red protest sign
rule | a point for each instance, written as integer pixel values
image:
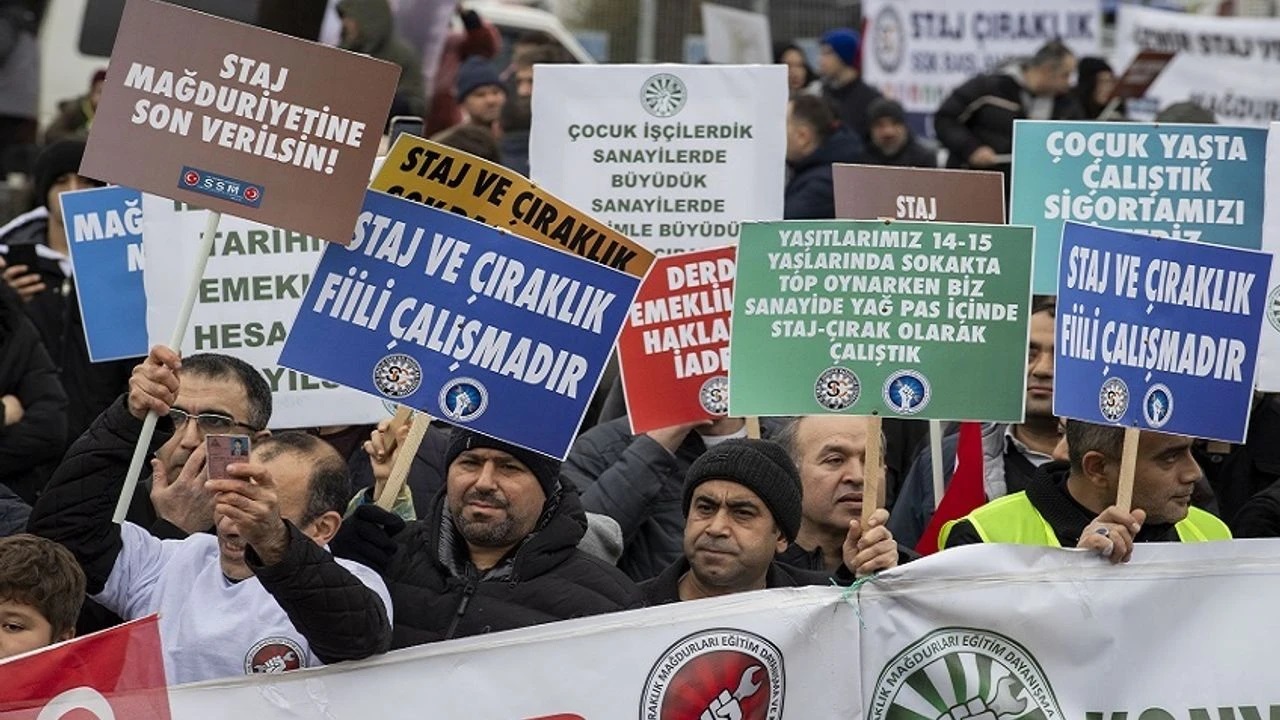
(238, 119)
(116, 673)
(674, 351)
(1141, 74)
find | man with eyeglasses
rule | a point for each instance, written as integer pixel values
(262, 594)
(216, 394)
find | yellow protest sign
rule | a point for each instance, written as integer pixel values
(452, 180)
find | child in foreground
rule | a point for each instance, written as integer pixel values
(41, 590)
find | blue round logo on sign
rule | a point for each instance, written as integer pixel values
(1157, 406)
(463, 399)
(906, 392)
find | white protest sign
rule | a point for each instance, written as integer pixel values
(736, 36)
(1175, 634)
(1268, 376)
(245, 305)
(1226, 64)
(761, 656)
(672, 156)
(918, 51)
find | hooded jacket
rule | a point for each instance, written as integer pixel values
(438, 594)
(377, 38)
(810, 195)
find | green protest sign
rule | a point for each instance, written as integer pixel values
(923, 320)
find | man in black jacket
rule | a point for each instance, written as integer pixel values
(975, 123)
(638, 479)
(839, 65)
(263, 595)
(815, 140)
(890, 141)
(743, 501)
(497, 552)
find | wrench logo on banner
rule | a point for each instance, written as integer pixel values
(719, 674)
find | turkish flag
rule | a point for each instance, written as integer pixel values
(110, 675)
(965, 493)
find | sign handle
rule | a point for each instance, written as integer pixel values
(753, 427)
(1112, 105)
(1128, 460)
(175, 342)
(935, 455)
(403, 415)
(404, 460)
(874, 479)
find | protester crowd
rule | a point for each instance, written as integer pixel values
(292, 564)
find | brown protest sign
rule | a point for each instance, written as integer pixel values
(435, 175)
(1141, 74)
(240, 120)
(869, 192)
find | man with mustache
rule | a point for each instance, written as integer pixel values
(1072, 504)
(830, 452)
(743, 502)
(497, 551)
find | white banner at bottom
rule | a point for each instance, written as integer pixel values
(975, 633)
(757, 656)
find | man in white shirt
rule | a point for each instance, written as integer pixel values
(264, 594)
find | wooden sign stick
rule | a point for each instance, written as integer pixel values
(1128, 460)
(404, 460)
(874, 472)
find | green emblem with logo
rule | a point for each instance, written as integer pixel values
(663, 95)
(960, 673)
(1273, 308)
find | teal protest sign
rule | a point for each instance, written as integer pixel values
(923, 320)
(1193, 182)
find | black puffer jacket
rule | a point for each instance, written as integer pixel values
(549, 580)
(30, 447)
(981, 112)
(341, 617)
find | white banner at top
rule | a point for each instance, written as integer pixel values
(918, 51)
(1268, 375)
(672, 156)
(1227, 64)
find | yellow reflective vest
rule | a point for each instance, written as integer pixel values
(1013, 520)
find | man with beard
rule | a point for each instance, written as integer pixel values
(498, 550)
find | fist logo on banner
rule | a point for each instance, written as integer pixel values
(720, 674)
(1016, 686)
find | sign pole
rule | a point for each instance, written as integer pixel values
(753, 427)
(935, 455)
(874, 479)
(1112, 105)
(175, 342)
(1128, 460)
(404, 460)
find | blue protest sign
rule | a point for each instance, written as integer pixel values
(104, 229)
(1157, 334)
(1194, 182)
(471, 324)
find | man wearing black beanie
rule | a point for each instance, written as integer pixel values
(743, 502)
(497, 551)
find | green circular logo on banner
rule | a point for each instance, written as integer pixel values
(663, 95)
(1273, 308)
(959, 672)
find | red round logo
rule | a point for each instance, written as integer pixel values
(191, 177)
(251, 193)
(720, 673)
(274, 655)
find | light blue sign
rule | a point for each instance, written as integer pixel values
(1157, 334)
(104, 226)
(1194, 182)
(475, 326)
